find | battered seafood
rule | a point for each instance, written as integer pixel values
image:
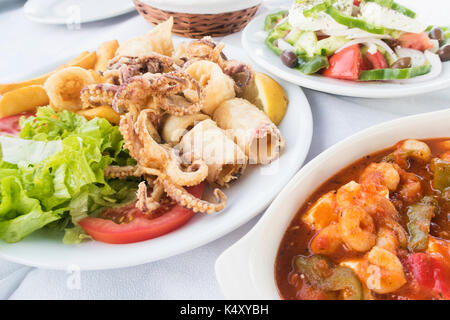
(180, 125)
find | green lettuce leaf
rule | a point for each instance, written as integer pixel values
(59, 176)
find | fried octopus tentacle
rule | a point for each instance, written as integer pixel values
(181, 94)
(135, 93)
(240, 72)
(183, 178)
(181, 196)
(122, 172)
(95, 95)
(148, 204)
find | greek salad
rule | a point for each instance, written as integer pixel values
(359, 40)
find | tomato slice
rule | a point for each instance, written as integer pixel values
(417, 41)
(357, 2)
(140, 227)
(346, 64)
(431, 272)
(377, 60)
(10, 125)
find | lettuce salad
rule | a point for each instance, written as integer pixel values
(52, 175)
(392, 43)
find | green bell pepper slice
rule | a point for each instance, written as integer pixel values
(272, 19)
(272, 36)
(318, 8)
(441, 174)
(420, 216)
(352, 22)
(312, 65)
(322, 274)
(393, 74)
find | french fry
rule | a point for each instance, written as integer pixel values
(102, 112)
(105, 52)
(85, 60)
(23, 99)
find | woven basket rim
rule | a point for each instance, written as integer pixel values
(217, 10)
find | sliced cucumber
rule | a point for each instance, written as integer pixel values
(308, 42)
(331, 44)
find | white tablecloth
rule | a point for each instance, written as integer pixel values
(26, 45)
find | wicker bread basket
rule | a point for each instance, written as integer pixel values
(194, 25)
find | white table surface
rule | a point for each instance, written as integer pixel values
(26, 45)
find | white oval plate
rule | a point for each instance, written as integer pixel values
(246, 269)
(253, 38)
(75, 11)
(249, 196)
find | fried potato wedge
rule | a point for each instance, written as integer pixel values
(23, 99)
(102, 112)
(105, 52)
(85, 60)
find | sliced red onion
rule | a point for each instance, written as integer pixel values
(436, 69)
(370, 42)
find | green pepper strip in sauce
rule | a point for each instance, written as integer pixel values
(441, 174)
(393, 74)
(322, 274)
(352, 22)
(420, 216)
(272, 19)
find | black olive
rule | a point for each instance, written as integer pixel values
(444, 53)
(402, 63)
(437, 34)
(289, 58)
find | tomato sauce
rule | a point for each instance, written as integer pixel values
(297, 239)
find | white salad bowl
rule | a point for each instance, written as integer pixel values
(246, 269)
(247, 197)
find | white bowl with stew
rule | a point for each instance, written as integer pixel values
(246, 270)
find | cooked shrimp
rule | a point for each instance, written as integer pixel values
(348, 195)
(412, 149)
(410, 188)
(357, 229)
(385, 271)
(368, 196)
(322, 213)
(382, 173)
(327, 240)
(387, 239)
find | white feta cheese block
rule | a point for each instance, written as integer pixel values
(388, 18)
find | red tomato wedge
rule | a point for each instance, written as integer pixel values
(377, 60)
(10, 125)
(418, 41)
(346, 64)
(357, 2)
(431, 272)
(140, 227)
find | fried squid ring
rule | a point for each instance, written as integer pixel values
(205, 141)
(217, 87)
(252, 130)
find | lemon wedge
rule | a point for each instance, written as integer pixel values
(268, 95)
